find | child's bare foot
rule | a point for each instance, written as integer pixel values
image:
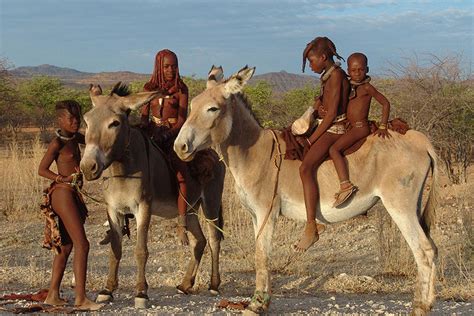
(55, 300)
(310, 236)
(87, 305)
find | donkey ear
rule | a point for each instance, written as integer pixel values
(136, 100)
(236, 83)
(215, 75)
(94, 91)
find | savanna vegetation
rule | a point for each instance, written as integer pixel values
(433, 95)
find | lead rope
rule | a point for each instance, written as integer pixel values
(277, 160)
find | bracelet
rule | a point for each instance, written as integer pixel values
(382, 126)
(309, 142)
(58, 179)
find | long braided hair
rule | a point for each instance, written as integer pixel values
(320, 45)
(157, 80)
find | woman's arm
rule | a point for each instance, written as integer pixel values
(182, 113)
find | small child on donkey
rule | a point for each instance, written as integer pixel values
(357, 115)
(64, 200)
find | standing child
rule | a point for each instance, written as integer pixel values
(66, 202)
(331, 109)
(357, 115)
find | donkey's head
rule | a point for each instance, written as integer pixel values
(210, 121)
(107, 128)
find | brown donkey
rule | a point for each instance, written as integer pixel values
(393, 170)
(139, 182)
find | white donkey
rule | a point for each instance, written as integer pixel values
(139, 182)
(394, 170)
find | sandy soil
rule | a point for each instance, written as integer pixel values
(347, 272)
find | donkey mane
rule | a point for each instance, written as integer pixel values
(121, 89)
(248, 105)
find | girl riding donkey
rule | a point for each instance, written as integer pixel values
(331, 109)
(63, 200)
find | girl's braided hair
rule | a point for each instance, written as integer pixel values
(157, 80)
(320, 45)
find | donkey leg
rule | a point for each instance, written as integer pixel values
(213, 212)
(141, 255)
(116, 221)
(263, 247)
(197, 243)
(424, 252)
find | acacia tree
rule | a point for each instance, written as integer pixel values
(11, 114)
(260, 96)
(436, 97)
(39, 96)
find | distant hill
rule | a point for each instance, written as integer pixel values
(283, 81)
(280, 81)
(48, 70)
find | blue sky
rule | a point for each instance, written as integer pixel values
(107, 35)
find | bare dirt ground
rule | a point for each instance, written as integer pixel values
(359, 267)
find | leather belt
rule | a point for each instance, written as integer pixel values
(338, 125)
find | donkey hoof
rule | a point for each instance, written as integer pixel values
(182, 290)
(104, 296)
(214, 292)
(260, 302)
(141, 301)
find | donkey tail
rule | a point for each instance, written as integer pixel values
(428, 217)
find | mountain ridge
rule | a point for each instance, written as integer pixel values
(281, 81)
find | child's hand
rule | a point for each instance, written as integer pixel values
(382, 133)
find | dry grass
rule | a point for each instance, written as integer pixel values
(21, 186)
(363, 255)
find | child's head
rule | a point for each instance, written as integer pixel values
(68, 114)
(318, 51)
(357, 67)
